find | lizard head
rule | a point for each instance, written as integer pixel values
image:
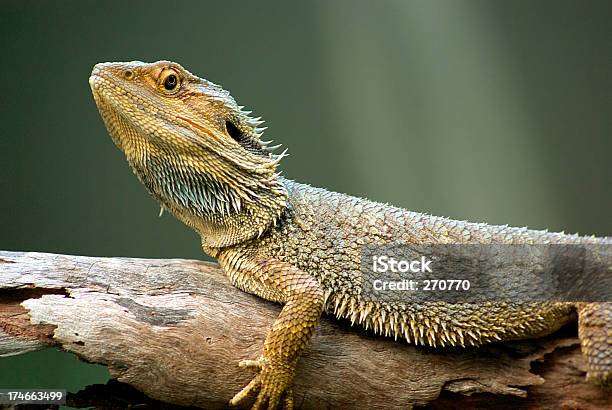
(197, 151)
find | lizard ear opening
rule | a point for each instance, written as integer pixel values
(244, 139)
(234, 132)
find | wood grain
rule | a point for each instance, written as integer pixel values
(176, 329)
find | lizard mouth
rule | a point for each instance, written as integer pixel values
(117, 100)
(187, 189)
(107, 89)
(119, 106)
(198, 127)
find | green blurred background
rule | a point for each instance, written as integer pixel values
(491, 111)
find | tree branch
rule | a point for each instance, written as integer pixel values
(176, 329)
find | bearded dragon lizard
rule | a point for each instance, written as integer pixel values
(202, 157)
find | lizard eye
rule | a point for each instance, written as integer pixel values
(170, 81)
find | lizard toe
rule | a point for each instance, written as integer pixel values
(252, 364)
(245, 392)
(288, 404)
(271, 385)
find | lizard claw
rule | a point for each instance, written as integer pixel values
(272, 385)
(253, 385)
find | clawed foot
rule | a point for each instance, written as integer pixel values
(272, 383)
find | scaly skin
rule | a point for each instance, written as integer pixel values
(201, 156)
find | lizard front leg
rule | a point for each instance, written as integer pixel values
(303, 299)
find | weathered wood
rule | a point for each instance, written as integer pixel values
(176, 329)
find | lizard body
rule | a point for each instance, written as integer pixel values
(202, 157)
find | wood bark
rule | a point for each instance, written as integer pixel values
(176, 329)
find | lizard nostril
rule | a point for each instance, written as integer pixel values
(128, 74)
